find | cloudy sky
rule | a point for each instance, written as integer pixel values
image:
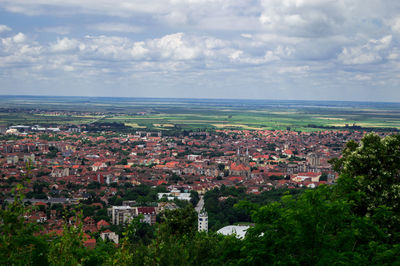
(253, 49)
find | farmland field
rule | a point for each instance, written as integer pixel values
(168, 114)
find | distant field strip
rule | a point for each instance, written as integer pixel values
(167, 114)
(237, 125)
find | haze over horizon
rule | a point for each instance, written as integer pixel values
(252, 49)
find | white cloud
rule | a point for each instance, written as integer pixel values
(174, 52)
(302, 18)
(69, 68)
(18, 51)
(4, 28)
(64, 45)
(139, 50)
(13, 43)
(59, 30)
(295, 18)
(174, 17)
(395, 24)
(322, 43)
(362, 77)
(394, 54)
(246, 35)
(356, 56)
(115, 27)
(174, 46)
(378, 45)
(371, 52)
(294, 69)
(19, 38)
(241, 57)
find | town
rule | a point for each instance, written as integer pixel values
(71, 166)
(186, 132)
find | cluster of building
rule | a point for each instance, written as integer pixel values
(258, 160)
(70, 162)
(124, 214)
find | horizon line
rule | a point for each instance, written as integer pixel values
(195, 98)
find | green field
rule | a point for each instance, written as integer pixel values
(168, 114)
(267, 119)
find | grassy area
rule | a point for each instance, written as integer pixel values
(256, 121)
(167, 114)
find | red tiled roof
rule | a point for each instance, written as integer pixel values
(160, 182)
(146, 210)
(102, 223)
(235, 178)
(239, 167)
(288, 152)
(88, 219)
(310, 174)
(90, 243)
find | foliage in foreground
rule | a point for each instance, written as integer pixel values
(355, 222)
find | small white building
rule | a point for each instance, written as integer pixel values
(13, 159)
(108, 234)
(29, 158)
(175, 194)
(238, 230)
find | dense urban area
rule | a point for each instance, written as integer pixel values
(198, 132)
(109, 187)
(148, 170)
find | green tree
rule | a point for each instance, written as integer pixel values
(370, 173)
(174, 178)
(101, 254)
(314, 229)
(139, 232)
(194, 197)
(178, 222)
(323, 177)
(18, 243)
(68, 249)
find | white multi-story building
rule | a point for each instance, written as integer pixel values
(203, 221)
(122, 214)
(125, 214)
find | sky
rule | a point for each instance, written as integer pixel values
(250, 49)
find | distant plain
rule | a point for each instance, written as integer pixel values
(169, 114)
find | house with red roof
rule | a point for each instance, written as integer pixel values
(308, 176)
(102, 224)
(239, 169)
(288, 153)
(149, 214)
(89, 220)
(90, 243)
(98, 165)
